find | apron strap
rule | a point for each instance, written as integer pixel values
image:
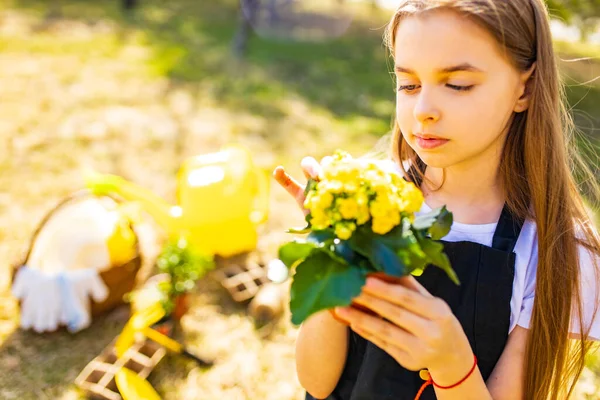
(507, 231)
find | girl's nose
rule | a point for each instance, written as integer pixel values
(426, 111)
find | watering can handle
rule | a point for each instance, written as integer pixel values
(261, 201)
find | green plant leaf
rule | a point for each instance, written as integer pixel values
(322, 282)
(310, 185)
(321, 237)
(435, 254)
(442, 224)
(437, 222)
(292, 252)
(424, 221)
(341, 248)
(306, 229)
(382, 257)
(415, 263)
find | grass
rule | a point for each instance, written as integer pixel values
(135, 95)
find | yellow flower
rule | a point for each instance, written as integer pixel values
(363, 215)
(342, 172)
(394, 217)
(341, 155)
(325, 200)
(345, 230)
(348, 207)
(382, 225)
(356, 191)
(319, 220)
(334, 186)
(382, 205)
(335, 216)
(411, 199)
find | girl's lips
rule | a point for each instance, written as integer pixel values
(430, 143)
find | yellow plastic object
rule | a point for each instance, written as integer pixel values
(222, 197)
(122, 242)
(163, 340)
(226, 197)
(137, 323)
(132, 387)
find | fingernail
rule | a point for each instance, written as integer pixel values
(373, 283)
(342, 311)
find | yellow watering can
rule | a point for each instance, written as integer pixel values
(221, 198)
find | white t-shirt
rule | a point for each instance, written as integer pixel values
(526, 250)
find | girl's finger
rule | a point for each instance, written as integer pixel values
(290, 185)
(411, 283)
(311, 168)
(377, 327)
(403, 357)
(426, 306)
(399, 316)
(326, 161)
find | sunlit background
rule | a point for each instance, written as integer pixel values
(136, 87)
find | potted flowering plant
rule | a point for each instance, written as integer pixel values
(361, 222)
(184, 267)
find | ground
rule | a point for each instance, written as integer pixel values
(135, 95)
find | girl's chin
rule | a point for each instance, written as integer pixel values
(436, 160)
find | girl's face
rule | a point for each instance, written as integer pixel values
(455, 91)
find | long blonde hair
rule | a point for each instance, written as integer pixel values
(536, 171)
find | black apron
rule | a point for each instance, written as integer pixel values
(481, 303)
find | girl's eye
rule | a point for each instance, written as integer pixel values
(410, 88)
(460, 88)
(407, 88)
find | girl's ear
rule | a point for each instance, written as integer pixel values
(525, 89)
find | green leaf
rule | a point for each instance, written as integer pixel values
(296, 250)
(382, 257)
(435, 254)
(321, 237)
(306, 229)
(342, 248)
(442, 224)
(438, 222)
(322, 282)
(415, 263)
(426, 220)
(310, 185)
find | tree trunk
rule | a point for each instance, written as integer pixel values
(129, 4)
(242, 36)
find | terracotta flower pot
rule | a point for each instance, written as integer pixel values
(181, 306)
(379, 275)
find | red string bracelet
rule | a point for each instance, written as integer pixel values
(424, 374)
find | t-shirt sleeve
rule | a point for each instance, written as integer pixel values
(590, 287)
(529, 289)
(590, 292)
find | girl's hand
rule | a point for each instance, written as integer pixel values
(311, 169)
(420, 332)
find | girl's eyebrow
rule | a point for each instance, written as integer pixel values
(455, 68)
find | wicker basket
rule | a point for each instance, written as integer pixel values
(119, 279)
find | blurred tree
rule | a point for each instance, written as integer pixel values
(129, 4)
(585, 14)
(247, 13)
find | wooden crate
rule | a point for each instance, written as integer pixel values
(98, 378)
(242, 280)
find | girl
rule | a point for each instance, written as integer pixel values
(480, 126)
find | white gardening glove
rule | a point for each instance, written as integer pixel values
(77, 286)
(40, 299)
